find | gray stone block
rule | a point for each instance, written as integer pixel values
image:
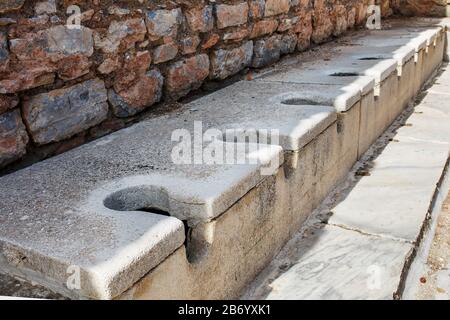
(62, 113)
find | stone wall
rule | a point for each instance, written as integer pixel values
(434, 8)
(61, 87)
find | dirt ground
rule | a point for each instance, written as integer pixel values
(436, 283)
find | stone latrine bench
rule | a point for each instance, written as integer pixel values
(136, 225)
(389, 67)
(371, 237)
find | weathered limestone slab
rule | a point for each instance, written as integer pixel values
(108, 181)
(428, 250)
(395, 37)
(327, 92)
(369, 122)
(148, 289)
(378, 68)
(367, 53)
(319, 166)
(362, 251)
(434, 108)
(406, 67)
(352, 86)
(49, 230)
(341, 88)
(108, 252)
(297, 125)
(4, 52)
(386, 58)
(434, 51)
(421, 39)
(440, 88)
(333, 263)
(314, 166)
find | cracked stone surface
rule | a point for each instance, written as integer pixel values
(333, 263)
